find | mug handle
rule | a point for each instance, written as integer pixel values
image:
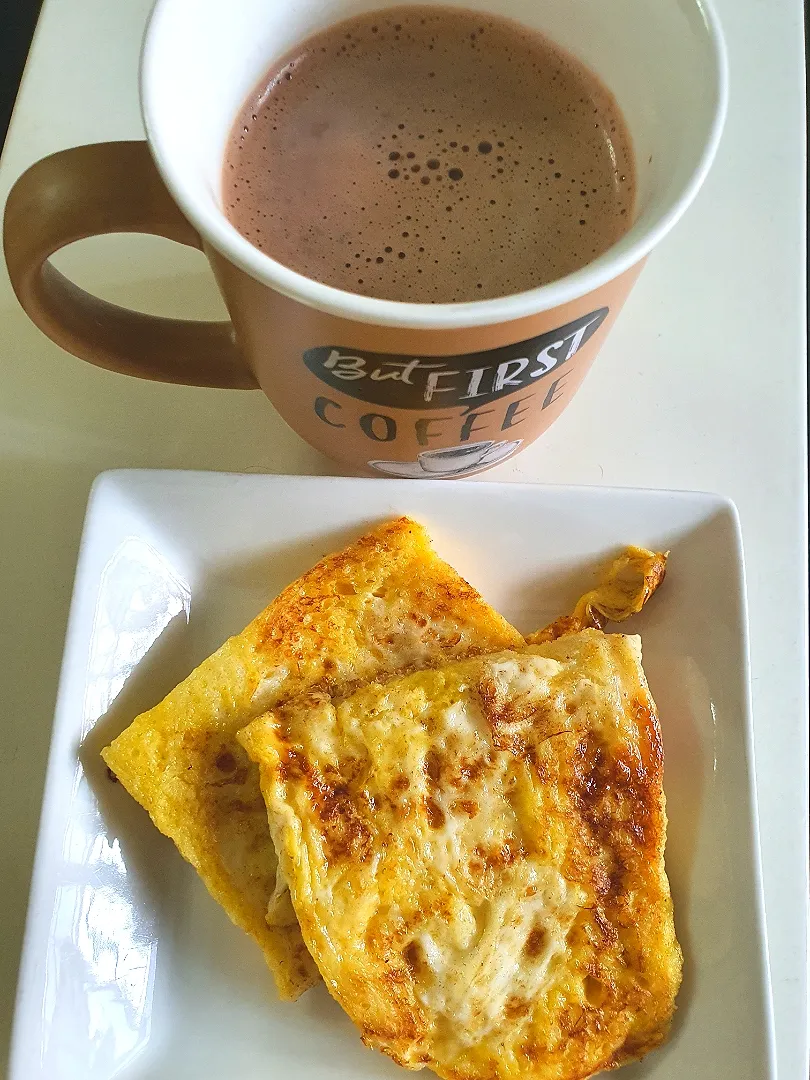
(106, 188)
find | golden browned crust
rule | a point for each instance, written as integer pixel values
(386, 603)
(475, 856)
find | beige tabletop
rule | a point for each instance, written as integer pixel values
(701, 386)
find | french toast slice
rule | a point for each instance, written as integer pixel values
(475, 854)
(387, 603)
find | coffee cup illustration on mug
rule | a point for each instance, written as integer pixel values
(451, 461)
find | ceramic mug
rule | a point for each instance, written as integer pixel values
(475, 381)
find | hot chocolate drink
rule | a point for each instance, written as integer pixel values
(432, 155)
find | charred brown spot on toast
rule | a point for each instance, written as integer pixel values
(413, 957)
(225, 761)
(609, 933)
(619, 800)
(498, 858)
(517, 726)
(468, 771)
(433, 766)
(435, 815)
(535, 942)
(346, 834)
(516, 1008)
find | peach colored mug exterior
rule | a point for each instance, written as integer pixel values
(392, 389)
(387, 399)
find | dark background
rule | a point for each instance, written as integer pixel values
(17, 21)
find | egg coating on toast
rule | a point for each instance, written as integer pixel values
(386, 603)
(475, 854)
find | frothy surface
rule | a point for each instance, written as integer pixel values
(430, 155)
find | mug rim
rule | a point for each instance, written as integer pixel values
(619, 258)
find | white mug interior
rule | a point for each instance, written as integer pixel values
(664, 61)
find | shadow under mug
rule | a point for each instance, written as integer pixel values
(468, 384)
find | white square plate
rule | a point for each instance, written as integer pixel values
(131, 970)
